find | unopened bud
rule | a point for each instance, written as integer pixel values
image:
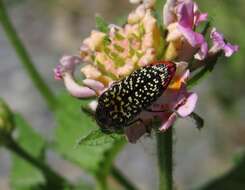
(171, 52)
(6, 121)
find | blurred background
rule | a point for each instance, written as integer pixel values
(50, 29)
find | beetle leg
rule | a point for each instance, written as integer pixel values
(135, 121)
(147, 128)
(150, 110)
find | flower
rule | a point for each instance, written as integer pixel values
(107, 57)
(65, 70)
(219, 44)
(181, 17)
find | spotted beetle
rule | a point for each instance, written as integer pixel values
(120, 104)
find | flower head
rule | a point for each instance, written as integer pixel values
(111, 56)
(108, 57)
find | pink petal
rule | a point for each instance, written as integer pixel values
(217, 38)
(58, 72)
(229, 49)
(173, 32)
(95, 85)
(220, 44)
(181, 67)
(185, 76)
(188, 107)
(202, 52)
(168, 12)
(168, 123)
(67, 65)
(186, 14)
(75, 89)
(70, 62)
(200, 17)
(195, 39)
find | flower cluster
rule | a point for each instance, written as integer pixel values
(109, 56)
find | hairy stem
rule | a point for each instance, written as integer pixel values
(25, 58)
(54, 180)
(121, 179)
(165, 160)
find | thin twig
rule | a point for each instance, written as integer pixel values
(54, 180)
(121, 179)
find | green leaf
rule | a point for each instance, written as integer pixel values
(72, 124)
(23, 175)
(101, 24)
(96, 137)
(159, 4)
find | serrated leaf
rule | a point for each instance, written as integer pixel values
(72, 124)
(96, 137)
(101, 24)
(23, 175)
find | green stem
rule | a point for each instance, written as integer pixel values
(25, 57)
(165, 162)
(121, 179)
(101, 184)
(54, 180)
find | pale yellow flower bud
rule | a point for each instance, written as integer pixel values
(148, 41)
(149, 22)
(95, 40)
(137, 15)
(148, 57)
(90, 72)
(149, 3)
(171, 52)
(173, 32)
(126, 69)
(135, 1)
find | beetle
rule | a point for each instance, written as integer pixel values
(119, 106)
